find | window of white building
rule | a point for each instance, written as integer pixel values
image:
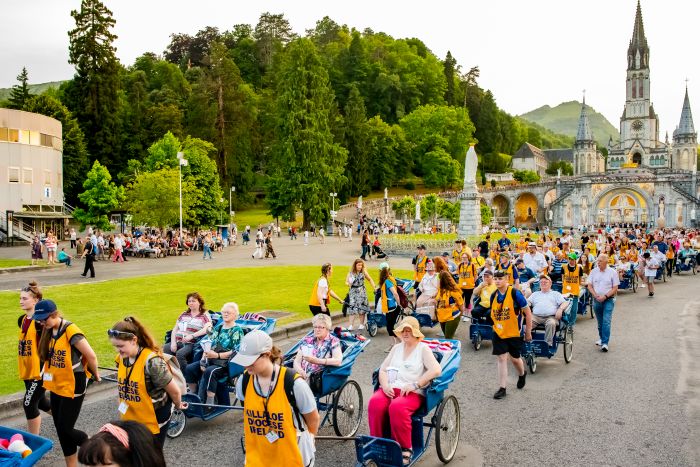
(47, 177)
(27, 175)
(13, 174)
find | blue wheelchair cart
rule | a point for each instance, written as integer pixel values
(480, 329)
(629, 279)
(337, 397)
(376, 320)
(686, 264)
(227, 385)
(37, 444)
(444, 421)
(585, 302)
(539, 347)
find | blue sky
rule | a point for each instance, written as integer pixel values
(530, 53)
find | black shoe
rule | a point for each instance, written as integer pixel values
(500, 394)
(82, 275)
(521, 380)
(651, 294)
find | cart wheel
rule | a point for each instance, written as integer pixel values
(663, 273)
(590, 307)
(347, 409)
(634, 283)
(476, 341)
(371, 328)
(370, 463)
(532, 363)
(178, 420)
(692, 266)
(568, 344)
(447, 426)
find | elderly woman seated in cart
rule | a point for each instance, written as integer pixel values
(320, 350)
(406, 371)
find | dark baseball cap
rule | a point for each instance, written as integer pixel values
(421, 247)
(500, 274)
(444, 253)
(43, 309)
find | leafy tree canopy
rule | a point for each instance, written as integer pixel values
(101, 196)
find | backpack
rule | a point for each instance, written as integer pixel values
(175, 370)
(289, 377)
(403, 298)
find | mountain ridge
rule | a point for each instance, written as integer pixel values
(563, 119)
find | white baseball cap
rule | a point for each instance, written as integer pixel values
(254, 344)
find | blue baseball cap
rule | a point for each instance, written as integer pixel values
(43, 309)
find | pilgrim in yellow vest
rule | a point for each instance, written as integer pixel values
(58, 373)
(420, 268)
(467, 275)
(385, 295)
(506, 322)
(485, 295)
(509, 270)
(447, 305)
(479, 261)
(134, 402)
(457, 254)
(28, 352)
(259, 450)
(571, 280)
(593, 248)
(313, 301)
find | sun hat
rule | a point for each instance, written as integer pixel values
(409, 322)
(532, 244)
(253, 344)
(43, 309)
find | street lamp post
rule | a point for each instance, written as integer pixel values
(181, 162)
(230, 206)
(333, 213)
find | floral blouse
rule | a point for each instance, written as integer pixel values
(310, 346)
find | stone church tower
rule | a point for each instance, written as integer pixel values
(685, 140)
(587, 159)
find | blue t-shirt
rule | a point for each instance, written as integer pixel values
(525, 274)
(663, 248)
(520, 300)
(504, 243)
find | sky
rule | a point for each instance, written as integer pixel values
(530, 53)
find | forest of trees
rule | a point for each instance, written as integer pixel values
(338, 110)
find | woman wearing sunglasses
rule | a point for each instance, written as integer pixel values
(147, 390)
(28, 358)
(68, 362)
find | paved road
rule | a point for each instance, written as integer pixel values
(289, 252)
(637, 405)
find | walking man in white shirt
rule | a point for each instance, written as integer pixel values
(602, 284)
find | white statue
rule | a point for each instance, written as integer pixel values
(418, 210)
(470, 164)
(359, 202)
(662, 208)
(386, 193)
(584, 210)
(692, 214)
(559, 172)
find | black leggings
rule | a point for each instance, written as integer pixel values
(467, 296)
(162, 416)
(316, 310)
(34, 399)
(65, 412)
(391, 318)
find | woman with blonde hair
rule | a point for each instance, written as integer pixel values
(146, 387)
(357, 301)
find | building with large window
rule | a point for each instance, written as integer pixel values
(31, 174)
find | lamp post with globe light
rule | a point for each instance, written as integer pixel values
(333, 214)
(181, 162)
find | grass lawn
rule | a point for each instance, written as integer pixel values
(10, 263)
(158, 300)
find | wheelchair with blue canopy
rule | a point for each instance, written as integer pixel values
(377, 319)
(337, 397)
(480, 328)
(538, 346)
(629, 279)
(444, 421)
(226, 384)
(686, 263)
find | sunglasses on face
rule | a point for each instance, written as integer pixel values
(120, 334)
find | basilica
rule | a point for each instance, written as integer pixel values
(644, 180)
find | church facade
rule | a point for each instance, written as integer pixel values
(645, 180)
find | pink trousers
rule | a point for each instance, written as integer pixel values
(396, 412)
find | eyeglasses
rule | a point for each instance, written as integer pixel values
(320, 327)
(120, 334)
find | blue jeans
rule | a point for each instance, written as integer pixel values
(207, 251)
(603, 314)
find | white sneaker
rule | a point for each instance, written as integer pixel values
(465, 319)
(598, 342)
(604, 347)
(349, 328)
(642, 286)
(360, 327)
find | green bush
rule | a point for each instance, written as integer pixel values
(410, 185)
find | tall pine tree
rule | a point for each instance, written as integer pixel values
(356, 139)
(449, 69)
(308, 163)
(19, 94)
(94, 93)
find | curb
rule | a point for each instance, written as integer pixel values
(11, 404)
(23, 269)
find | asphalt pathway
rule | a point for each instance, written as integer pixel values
(637, 405)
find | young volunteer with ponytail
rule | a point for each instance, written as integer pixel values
(67, 358)
(28, 358)
(280, 416)
(389, 300)
(449, 305)
(147, 391)
(122, 443)
(322, 292)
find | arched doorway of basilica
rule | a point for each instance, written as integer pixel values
(526, 209)
(621, 206)
(637, 158)
(500, 206)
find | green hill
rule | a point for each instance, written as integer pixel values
(564, 119)
(33, 89)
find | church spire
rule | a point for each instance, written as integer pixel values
(685, 127)
(584, 128)
(638, 51)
